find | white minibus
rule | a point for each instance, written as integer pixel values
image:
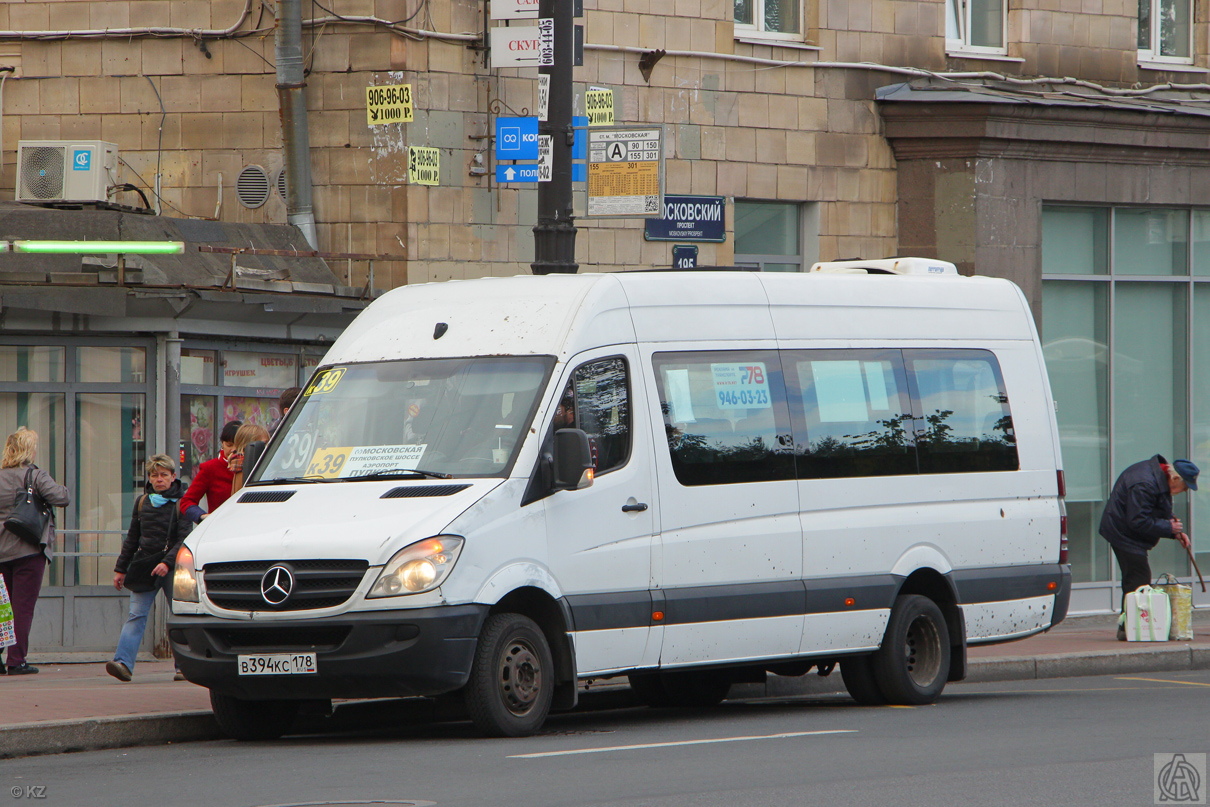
(498, 488)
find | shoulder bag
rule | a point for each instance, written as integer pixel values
(30, 514)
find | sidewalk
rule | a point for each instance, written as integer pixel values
(77, 706)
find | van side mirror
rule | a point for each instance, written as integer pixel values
(573, 460)
(252, 454)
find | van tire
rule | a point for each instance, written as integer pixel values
(913, 664)
(252, 720)
(691, 689)
(512, 678)
(858, 675)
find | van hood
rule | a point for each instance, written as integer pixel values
(344, 520)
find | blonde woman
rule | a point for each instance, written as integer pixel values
(249, 432)
(22, 563)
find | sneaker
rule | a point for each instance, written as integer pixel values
(23, 669)
(1121, 633)
(178, 676)
(118, 670)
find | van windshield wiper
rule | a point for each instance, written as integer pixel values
(294, 480)
(396, 473)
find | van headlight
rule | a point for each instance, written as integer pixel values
(418, 567)
(184, 579)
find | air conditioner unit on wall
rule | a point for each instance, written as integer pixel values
(65, 170)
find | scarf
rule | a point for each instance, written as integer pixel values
(159, 501)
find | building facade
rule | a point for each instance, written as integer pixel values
(1061, 144)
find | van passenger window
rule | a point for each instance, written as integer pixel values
(963, 420)
(851, 413)
(725, 416)
(597, 400)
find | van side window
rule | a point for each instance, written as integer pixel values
(725, 415)
(597, 400)
(851, 412)
(963, 420)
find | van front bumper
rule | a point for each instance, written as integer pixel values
(377, 654)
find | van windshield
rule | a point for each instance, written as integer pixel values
(457, 417)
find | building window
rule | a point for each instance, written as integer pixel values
(1166, 31)
(768, 236)
(1126, 335)
(975, 25)
(775, 18)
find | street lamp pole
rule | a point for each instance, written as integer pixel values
(555, 232)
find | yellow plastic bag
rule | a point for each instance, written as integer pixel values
(1181, 598)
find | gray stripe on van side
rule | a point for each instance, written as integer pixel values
(999, 583)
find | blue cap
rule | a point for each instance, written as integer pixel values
(1188, 472)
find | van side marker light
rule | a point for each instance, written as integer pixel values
(657, 616)
(440, 329)
(849, 601)
(1051, 586)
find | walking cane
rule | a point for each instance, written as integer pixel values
(1189, 551)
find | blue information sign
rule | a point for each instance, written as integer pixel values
(684, 256)
(516, 138)
(579, 143)
(689, 218)
(517, 173)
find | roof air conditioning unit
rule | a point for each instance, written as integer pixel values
(65, 170)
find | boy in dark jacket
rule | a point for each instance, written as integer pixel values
(156, 532)
(1139, 513)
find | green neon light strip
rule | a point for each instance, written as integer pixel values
(99, 247)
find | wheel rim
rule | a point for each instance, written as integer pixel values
(922, 652)
(520, 677)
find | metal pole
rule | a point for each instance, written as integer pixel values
(555, 232)
(295, 136)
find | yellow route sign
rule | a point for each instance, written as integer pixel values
(625, 172)
(391, 103)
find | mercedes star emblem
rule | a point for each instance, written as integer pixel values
(276, 585)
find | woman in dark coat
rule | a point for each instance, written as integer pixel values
(22, 563)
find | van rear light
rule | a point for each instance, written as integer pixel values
(1062, 536)
(1062, 485)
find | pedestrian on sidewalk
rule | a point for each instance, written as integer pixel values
(1139, 513)
(145, 564)
(22, 563)
(248, 433)
(213, 479)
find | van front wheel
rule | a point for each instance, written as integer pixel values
(913, 663)
(252, 720)
(512, 677)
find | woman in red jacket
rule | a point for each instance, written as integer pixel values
(212, 480)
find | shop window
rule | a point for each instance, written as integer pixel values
(770, 18)
(1165, 31)
(199, 432)
(975, 25)
(261, 411)
(197, 367)
(111, 364)
(768, 236)
(31, 364)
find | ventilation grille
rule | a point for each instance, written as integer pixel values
(423, 490)
(265, 496)
(281, 183)
(42, 172)
(252, 186)
(317, 584)
(305, 638)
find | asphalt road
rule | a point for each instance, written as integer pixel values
(1069, 742)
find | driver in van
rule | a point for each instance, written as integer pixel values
(1139, 513)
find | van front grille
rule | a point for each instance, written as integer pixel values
(316, 584)
(326, 637)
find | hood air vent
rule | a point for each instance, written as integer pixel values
(423, 490)
(265, 496)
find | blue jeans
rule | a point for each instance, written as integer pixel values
(136, 623)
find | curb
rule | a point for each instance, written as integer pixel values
(94, 734)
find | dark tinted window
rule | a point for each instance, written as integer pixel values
(964, 423)
(852, 415)
(597, 400)
(725, 415)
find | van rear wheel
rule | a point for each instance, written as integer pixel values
(913, 664)
(858, 675)
(252, 720)
(512, 677)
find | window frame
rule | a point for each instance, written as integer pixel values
(1151, 54)
(756, 30)
(630, 402)
(962, 44)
